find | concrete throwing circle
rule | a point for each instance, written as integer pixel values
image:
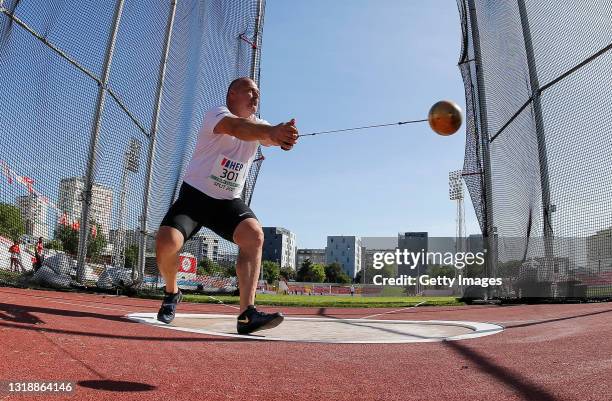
(329, 330)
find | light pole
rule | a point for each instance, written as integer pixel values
(455, 193)
(131, 163)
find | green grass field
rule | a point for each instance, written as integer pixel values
(329, 301)
(9, 276)
(601, 292)
(390, 300)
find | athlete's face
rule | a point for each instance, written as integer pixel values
(245, 98)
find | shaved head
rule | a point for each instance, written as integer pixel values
(243, 97)
(238, 83)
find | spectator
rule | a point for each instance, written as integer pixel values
(16, 257)
(39, 254)
(352, 290)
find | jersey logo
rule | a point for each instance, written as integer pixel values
(231, 165)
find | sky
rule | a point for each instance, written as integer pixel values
(327, 64)
(333, 65)
(330, 65)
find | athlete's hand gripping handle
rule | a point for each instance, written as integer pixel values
(288, 145)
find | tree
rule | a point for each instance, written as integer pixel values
(54, 244)
(287, 273)
(473, 270)
(344, 278)
(70, 240)
(441, 271)
(68, 237)
(510, 268)
(96, 244)
(271, 271)
(303, 272)
(229, 269)
(335, 274)
(131, 256)
(310, 272)
(11, 222)
(317, 274)
(388, 271)
(208, 267)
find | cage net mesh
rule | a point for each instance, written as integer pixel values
(538, 85)
(52, 77)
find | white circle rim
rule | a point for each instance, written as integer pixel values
(480, 329)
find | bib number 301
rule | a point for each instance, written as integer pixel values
(229, 175)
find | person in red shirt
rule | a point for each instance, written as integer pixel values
(16, 257)
(38, 254)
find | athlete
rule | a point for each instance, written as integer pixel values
(210, 197)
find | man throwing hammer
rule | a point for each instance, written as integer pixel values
(210, 197)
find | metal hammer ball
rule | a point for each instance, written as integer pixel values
(445, 117)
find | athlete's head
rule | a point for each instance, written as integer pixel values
(243, 97)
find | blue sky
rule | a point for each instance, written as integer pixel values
(328, 64)
(342, 64)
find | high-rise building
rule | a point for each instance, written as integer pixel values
(70, 195)
(413, 242)
(346, 251)
(367, 257)
(34, 214)
(279, 246)
(316, 256)
(203, 246)
(132, 237)
(599, 251)
(475, 243)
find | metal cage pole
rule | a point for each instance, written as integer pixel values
(137, 276)
(93, 145)
(547, 207)
(254, 73)
(483, 126)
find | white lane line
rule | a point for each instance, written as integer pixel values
(51, 299)
(91, 306)
(120, 309)
(393, 311)
(519, 321)
(223, 303)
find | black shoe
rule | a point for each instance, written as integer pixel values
(168, 309)
(252, 320)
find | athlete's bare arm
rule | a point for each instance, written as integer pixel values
(284, 134)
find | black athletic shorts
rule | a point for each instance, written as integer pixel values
(193, 210)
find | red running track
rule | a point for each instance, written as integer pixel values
(546, 352)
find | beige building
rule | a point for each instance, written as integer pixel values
(203, 246)
(316, 256)
(599, 251)
(346, 251)
(279, 246)
(34, 214)
(70, 194)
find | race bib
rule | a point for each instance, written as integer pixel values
(229, 175)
